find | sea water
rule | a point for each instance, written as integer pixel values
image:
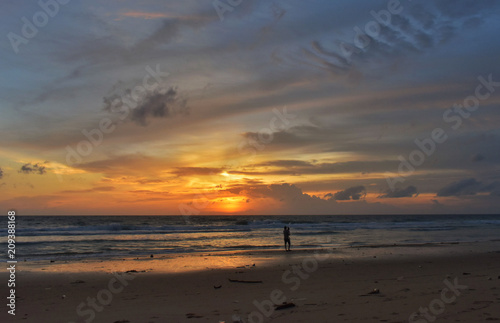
(70, 237)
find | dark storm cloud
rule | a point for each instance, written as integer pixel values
(409, 191)
(351, 193)
(32, 169)
(156, 104)
(470, 186)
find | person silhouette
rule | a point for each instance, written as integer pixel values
(286, 235)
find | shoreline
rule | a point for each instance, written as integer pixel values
(199, 261)
(333, 289)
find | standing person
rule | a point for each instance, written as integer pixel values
(286, 235)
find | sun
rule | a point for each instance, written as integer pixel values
(231, 204)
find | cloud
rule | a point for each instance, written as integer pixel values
(492, 188)
(149, 192)
(144, 181)
(90, 190)
(282, 138)
(32, 169)
(287, 193)
(127, 45)
(468, 186)
(410, 191)
(1, 173)
(351, 193)
(155, 104)
(191, 171)
(417, 29)
(464, 8)
(137, 165)
(294, 201)
(298, 167)
(145, 15)
(477, 158)
(285, 163)
(172, 28)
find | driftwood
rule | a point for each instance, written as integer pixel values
(245, 281)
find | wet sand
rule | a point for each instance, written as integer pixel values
(458, 284)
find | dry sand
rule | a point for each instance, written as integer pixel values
(330, 289)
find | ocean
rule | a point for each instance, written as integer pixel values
(80, 237)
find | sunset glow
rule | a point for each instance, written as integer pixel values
(167, 109)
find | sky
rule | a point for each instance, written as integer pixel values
(249, 107)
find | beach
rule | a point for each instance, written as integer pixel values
(231, 161)
(443, 283)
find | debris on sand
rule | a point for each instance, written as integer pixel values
(375, 291)
(284, 306)
(135, 271)
(245, 281)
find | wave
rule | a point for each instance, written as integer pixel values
(97, 236)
